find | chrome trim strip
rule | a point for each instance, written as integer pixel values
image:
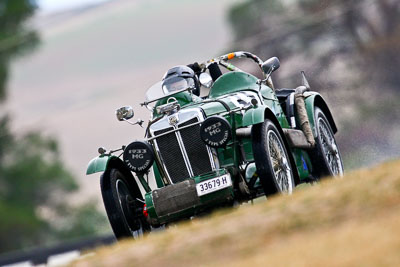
(175, 129)
(201, 118)
(185, 156)
(163, 169)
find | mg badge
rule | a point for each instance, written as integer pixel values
(173, 120)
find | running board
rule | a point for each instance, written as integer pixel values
(296, 139)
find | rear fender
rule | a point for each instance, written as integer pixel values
(316, 100)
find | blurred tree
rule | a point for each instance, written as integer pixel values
(33, 179)
(350, 51)
(15, 37)
(367, 31)
(31, 174)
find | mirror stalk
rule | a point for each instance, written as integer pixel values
(138, 122)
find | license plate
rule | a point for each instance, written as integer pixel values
(213, 184)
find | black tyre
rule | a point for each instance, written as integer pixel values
(124, 210)
(326, 157)
(272, 159)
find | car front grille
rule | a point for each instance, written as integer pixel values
(195, 148)
(170, 148)
(172, 156)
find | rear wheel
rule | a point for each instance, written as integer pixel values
(124, 205)
(272, 159)
(327, 160)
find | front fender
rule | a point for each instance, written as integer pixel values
(106, 162)
(258, 115)
(254, 116)
(99, 164)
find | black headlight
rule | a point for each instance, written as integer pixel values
(216, 131)
(139, 156)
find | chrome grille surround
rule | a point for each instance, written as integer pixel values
(173, 142)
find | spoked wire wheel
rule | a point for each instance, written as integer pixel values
(280, 163)
(327, 159)
(272, 159)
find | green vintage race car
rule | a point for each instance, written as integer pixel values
(245, 139)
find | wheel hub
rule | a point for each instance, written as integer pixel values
(330, 148)
(283, 164)
(333, 149)
(128, 207)
(132, 218)
(280, 164)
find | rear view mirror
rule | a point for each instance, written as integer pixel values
(124, 113)
(271, 65)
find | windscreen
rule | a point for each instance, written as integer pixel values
(154, 92)
(168, 87)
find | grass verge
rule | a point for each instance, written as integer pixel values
(354, 221)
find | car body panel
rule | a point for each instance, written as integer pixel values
(106, 162)
(315, 99)
(254, 116)
(233, 82)
(215, 198)
(157, 176)
(98, 164)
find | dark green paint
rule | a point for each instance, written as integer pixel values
(232, 82)
(145, 185)
(101, 163)
(157, 176)
(98, 164)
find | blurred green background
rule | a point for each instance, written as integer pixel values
(65, 68)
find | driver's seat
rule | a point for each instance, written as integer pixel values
(286, 99)
(283, 93)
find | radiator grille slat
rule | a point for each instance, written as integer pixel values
(172, 156)
(195, 148)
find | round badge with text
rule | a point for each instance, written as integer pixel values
(139, 156)
(216, 131)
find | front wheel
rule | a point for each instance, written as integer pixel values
(123, 203)
(272, 159)
(327, 160)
